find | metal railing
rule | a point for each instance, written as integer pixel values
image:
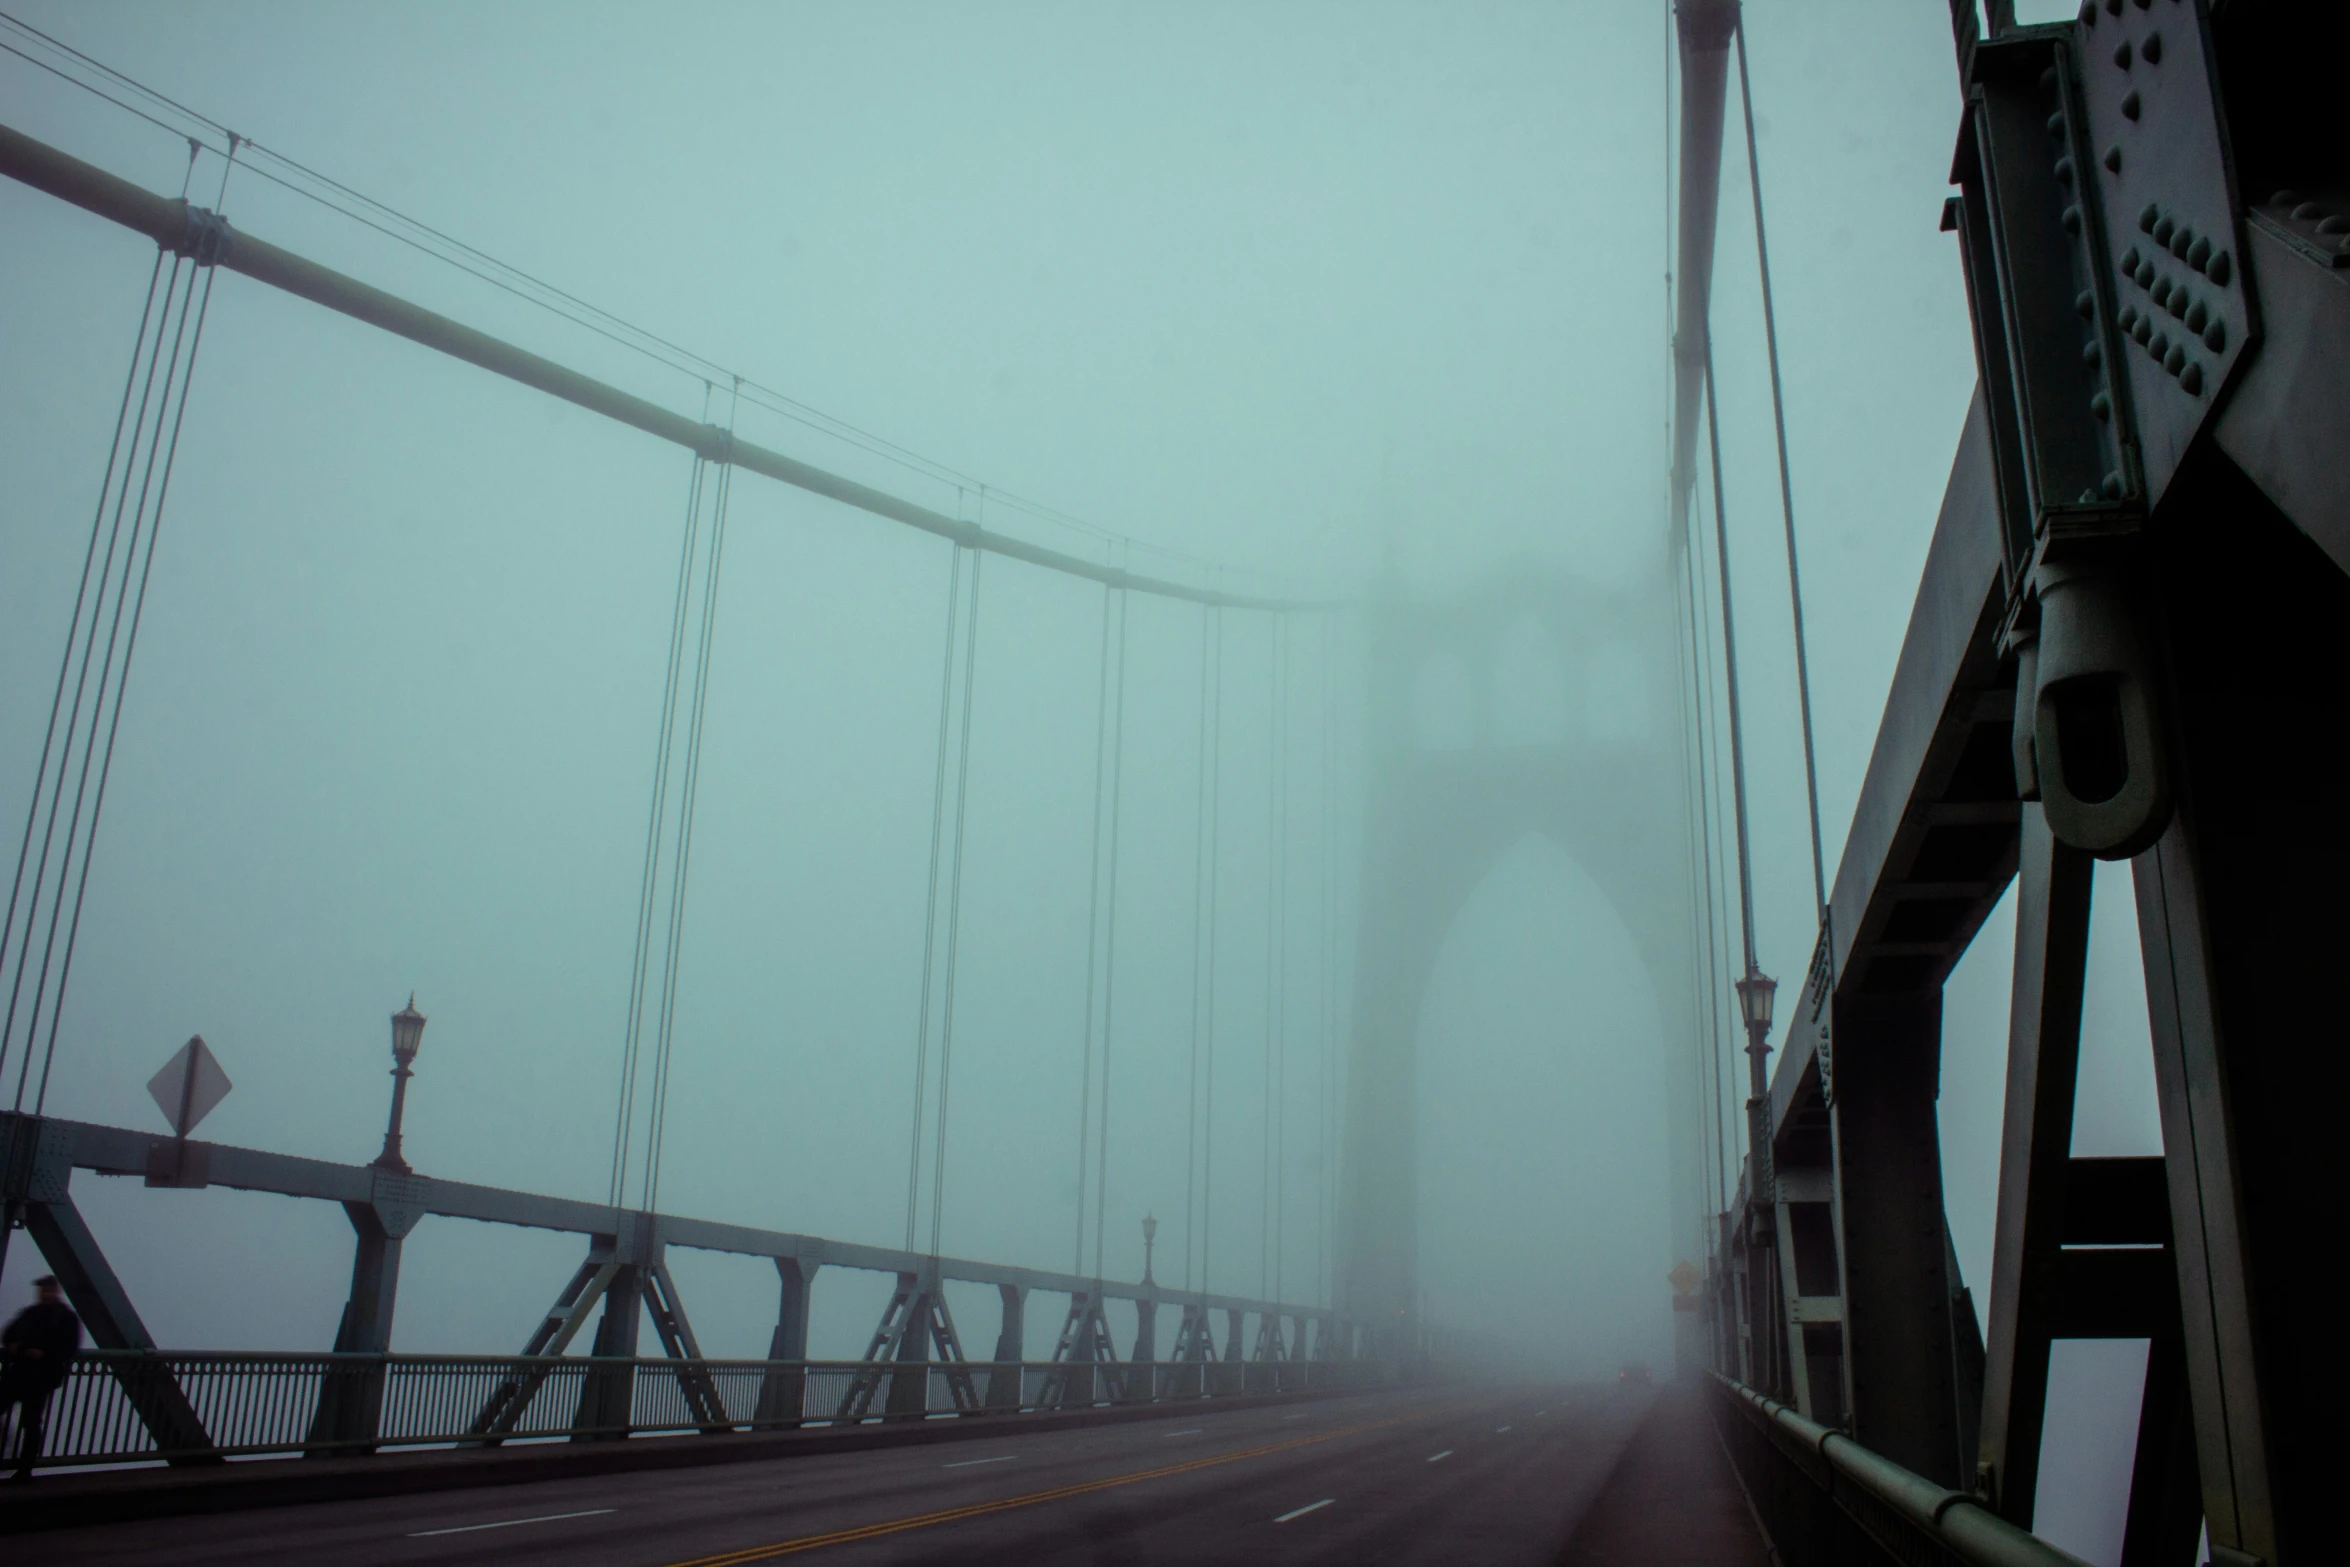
(228, 1404)
(1828, 1500)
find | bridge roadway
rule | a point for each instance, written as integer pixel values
(1436, 1475)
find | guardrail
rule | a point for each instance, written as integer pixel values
(230, 1404)
(1827, 1499)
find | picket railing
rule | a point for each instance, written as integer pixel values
(119, 1406)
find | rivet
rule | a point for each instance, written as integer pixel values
(2215, 336)
(2130, 106)
(2130, 263)
(2113, 7)
(2141, 329)
(2112, 486)
(2048, 78)
(2177, 303)
(2072, 220)
(2164, 228)
(2191, 380)
(2064, 171)
(2102, 406)
(2121, 54)
(2161, 291)
(2147, 216)
(2088, 13)
(2307, 210)
(2151, 50)
(2219, 269)
(2113, 159)
(2056, 123)
(2159, 347)
(2145, 274)
(2091, 353)
(2128, 318)
(2196, 316)
(2337, 224)
(2085, 302)
(2199, 254)
(2284, 198)
(2175, 360)
(2182, 242)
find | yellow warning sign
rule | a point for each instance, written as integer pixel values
(1684, 1278)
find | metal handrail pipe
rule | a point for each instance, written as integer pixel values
(1957, 1520)
(175, 225)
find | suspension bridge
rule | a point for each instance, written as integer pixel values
(2126, 645)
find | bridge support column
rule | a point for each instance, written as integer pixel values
(783, 1390)
(1902, 1346)
(607, 1395)
(1142, 1377)
(2043, 1067)
(350, 1396)
(1011, 1342)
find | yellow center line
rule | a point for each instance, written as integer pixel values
(871, 1531)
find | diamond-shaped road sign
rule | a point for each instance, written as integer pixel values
(189, 1086)
(1684, 1278)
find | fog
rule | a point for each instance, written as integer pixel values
(1343, 299)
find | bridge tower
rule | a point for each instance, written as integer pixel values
(1457, 774)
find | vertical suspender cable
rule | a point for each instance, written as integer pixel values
(938, 803)
(1093, 914)
(1272, 964)
(1207, 1156)
(649, 886)
(657, 1119)
(179, 414)
(1762, 255)
(140, 352)
(1101, 1181)
(95, 716)
(946, 1035)
(1199, 882)
(1713, 430)
(1326, 1108)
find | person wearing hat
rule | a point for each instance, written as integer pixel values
(35, 1350)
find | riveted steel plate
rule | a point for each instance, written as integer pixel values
(2168, 195)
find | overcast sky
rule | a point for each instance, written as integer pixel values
(1287, 288)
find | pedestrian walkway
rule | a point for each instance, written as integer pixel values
(1673, 1500)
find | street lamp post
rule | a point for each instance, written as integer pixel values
(1150, 1234)
(407, 1034)
(1755, 995)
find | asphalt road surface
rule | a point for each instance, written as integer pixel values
(1445, 1475)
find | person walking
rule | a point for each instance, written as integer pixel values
(35, 1350)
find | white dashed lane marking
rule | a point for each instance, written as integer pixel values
(508, 1523)
(1310, 1507)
